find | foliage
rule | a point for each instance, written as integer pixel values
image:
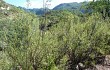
(37, 11)
(101, 6)
(69, 6)
(63, 43)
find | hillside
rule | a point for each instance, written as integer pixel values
(76, 8)
(68, 6)
(15, 25)
(73, 7)
(37, 11)
(58, 40)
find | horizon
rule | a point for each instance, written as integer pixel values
(39, 3)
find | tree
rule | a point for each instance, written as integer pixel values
(101, 6)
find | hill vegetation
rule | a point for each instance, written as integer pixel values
(68, 6)
(73, 7)
(37, 11)
(57, 40)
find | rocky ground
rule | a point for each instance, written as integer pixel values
(104, 66)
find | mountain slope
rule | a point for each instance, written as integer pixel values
(15, 27)
(58, 40)
(68, 6)
(74, 7)
(37, 11)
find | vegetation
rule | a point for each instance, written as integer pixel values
(72, 7)
(101, 6)
(59, 40)
(68, 6)
(36, 11)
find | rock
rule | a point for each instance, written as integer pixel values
(107, 60)
(104, 66)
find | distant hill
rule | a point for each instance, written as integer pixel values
(74, 7)
(68, 6)
(64, 6)
(38, 11)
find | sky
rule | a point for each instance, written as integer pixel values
(39, 3)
